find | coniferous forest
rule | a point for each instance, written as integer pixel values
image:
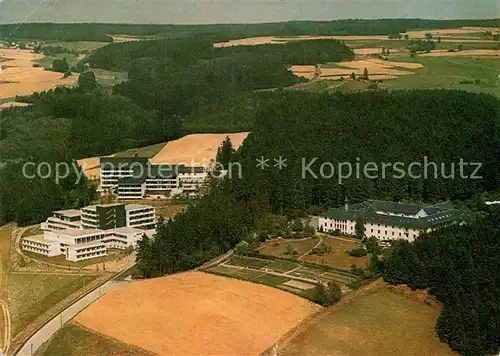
(460, 266)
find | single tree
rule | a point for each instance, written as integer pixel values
(87, 82)
(460, 47)
(429, 36)
(297, 225)
(360, 229)
(353, 75)
(225, 152)
(365, 74)
(407, 37)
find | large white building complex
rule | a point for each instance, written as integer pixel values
(138, 178)
(91, 231)
(390, 221)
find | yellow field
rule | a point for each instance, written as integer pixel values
(19, 77)
(199, 149)
(196, 313)
(465, 53)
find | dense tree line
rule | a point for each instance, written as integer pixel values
(460, 266)
(100, 32)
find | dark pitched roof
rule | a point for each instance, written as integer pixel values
(367, 212)
(396, 208)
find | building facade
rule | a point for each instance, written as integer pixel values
(91, 231)
(137, 178)
(389, 221)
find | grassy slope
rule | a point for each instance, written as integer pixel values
(383, 323)
(29, 295)
(73, 340)
(447, 72)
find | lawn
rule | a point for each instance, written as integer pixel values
(46, 61)
(108, 78)
(447, 72)
(382, 323)
(247, 262)
(278, 247)
(338, 256)
(29, 295)
(33, 231)
(73, 340)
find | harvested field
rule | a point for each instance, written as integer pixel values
(11, 104)
(338, 256)
(21, 78)
(307, 72)
(452, 32)
(365, 51)
(375, 67)
(464, 53)
(198, 149)
(124, 38)
(277, 247)
(196, 313)
(383, 321)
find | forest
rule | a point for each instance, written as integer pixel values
(101, 32)
(459, 265)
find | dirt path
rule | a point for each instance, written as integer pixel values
(315, 246)
(7, 328)
(268, 271)
(324, 313)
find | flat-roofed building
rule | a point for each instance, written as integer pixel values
(38, 244)
(63, 219)
(101, 227)
(137, 178)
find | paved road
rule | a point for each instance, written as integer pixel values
(56, 323)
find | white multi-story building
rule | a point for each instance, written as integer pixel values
(93, 231)
(136, 178)
(389, 221)
(63, 219)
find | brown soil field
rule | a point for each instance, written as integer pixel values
(196, 313)
(125, 38)
(452, 32)
(388, 69)
(466, 53)
(23, 78)
(198, 149)
(277, 247)
(12, 104)
(338, 256)
(379, 320)
(303, 71)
